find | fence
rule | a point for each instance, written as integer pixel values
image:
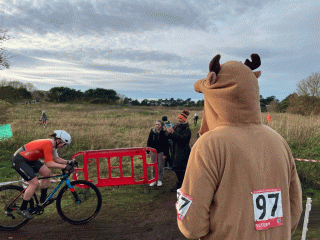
(106, 169)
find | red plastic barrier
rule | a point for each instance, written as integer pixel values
(103, 181)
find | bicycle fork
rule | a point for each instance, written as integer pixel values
(77, 199)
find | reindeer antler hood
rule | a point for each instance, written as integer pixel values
(231, 93)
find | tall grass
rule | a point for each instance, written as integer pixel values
(3, 111)
(92, 127)
(302, 134)
(295, 128)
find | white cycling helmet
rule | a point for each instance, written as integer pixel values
(64, 136)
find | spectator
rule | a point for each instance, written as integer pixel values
(158, 140)
(195, 119)
(168, 163)
(241, 181)
(180, 135)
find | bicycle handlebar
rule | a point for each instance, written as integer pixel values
(73, 164)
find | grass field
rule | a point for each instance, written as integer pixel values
(95, 127)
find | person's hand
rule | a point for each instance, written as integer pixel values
(69, 167)
(170, 130)
(164, 157)
(73, 163)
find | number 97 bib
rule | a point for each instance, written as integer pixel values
(267, 206)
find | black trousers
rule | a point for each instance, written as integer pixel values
(180, 176)
(168, 161)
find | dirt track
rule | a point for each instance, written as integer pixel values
(160, 223)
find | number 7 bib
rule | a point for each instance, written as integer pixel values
(267, 206)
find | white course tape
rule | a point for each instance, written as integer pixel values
(305, 160)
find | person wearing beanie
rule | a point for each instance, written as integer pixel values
(241, 181)
(159, 141)
(180, 135)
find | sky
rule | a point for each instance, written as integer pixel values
(147, 49)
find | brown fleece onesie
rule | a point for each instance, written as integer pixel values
(241, 181)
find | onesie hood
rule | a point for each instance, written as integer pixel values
(231, 93)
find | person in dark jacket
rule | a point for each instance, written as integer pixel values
(195, 119)
(168, 162)
(180, 135)
(159, 141)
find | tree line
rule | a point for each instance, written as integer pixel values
(303, 102)
(15, 91)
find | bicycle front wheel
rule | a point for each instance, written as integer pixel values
(80, 205)
(10, 201)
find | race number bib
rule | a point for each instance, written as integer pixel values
(183, 203)
(267, 205)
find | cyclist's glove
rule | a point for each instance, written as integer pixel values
(68, 168)
(75, 163)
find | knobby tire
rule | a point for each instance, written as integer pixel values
(74, 213)
(14, 221)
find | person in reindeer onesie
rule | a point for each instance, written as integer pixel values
(241, 181)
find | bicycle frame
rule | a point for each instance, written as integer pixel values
(70, 197)
(64, 179)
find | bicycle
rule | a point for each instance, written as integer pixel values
(77, 206)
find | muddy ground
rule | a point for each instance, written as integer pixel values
(159, 222)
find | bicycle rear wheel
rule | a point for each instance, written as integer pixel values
(79, 212)
(10, 201)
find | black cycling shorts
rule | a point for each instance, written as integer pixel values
(27, 169)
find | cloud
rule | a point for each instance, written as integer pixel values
(159, 48)
(111, 54)
(87, 17)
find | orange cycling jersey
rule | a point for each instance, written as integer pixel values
(41, 148)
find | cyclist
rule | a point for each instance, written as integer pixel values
(26, 162)
(43, 119)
